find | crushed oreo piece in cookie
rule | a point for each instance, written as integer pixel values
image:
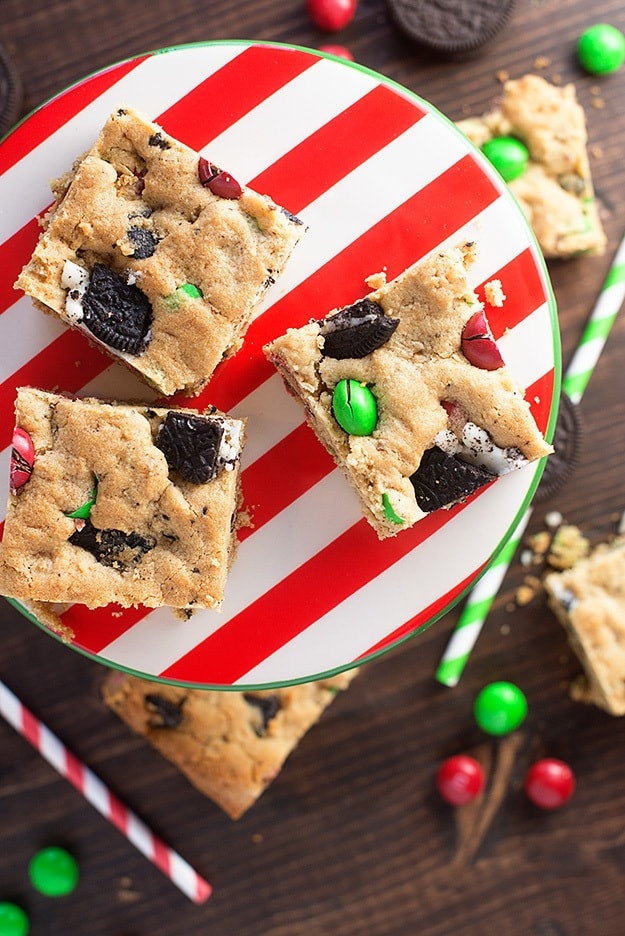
(291, 217)
(157, 139)
(112, 548)
(356, 330)
(191, 445)
(442, 479)
(268, 707)
(167, 714)
(117, 312)
(144, 241)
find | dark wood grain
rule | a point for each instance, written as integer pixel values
(351, 838)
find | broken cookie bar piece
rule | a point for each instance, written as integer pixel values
(554, 185)
(589, 601)
(157, 255)
(230, 745)
(112, 502)
(409, 393)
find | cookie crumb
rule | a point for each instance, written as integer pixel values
(556, 79)
(598, 103)
(539, 542)
(596, 151)
(526, 592)
(502, 75)
(542, 61)
(257, 838)
(526, 558)
(494, 293)
(595, 90)
(376, 280)
(569, 545)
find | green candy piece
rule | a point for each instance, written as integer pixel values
(500, 708)
(13, 920)
(186, 291)
(190, 290)
(601, 49)
(389, 513)
(84, 511)
(53, 872)
(354, 407)
(508, 155)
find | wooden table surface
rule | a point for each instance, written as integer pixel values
(351, 838)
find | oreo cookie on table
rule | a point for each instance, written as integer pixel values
(451, 27)
(10, 92)
(567, 441)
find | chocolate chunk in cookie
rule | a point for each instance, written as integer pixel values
(442, 479)
(356, 330)
(191, 445)
(117, 312)
(165, 713)
(267, 706)
(111, 547)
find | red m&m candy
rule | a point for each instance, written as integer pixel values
(331, 15)
(549, 783)
(459, 779)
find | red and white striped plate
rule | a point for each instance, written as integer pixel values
(381, 179)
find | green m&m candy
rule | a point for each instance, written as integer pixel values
(354, 407)
(53, 872)
(601, 49)
(500, 708)
(13, 920)
(508, 155)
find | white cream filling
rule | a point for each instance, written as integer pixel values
(75, 279)
(477, 448)
(230, 446)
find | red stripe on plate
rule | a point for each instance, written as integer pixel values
(539, 397)
(521, 282)
(237, 86)
(69, 361)
(399, 239)
(279, 615)
(323, 158)
(95, 629)
(299, 461)
(422, 617)
(51, 117)
(15, 252)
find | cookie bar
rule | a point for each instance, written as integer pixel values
(589, 600)
(156, 255)
(112, 502)
(230, 745)
(555, 191)
(408, 392)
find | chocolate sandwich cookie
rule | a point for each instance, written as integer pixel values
(451, 27)
(567, 442)
(10, 92)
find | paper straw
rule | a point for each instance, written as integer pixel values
(95, 792)
(574, 384)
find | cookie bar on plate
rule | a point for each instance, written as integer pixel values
(157, 255)
(555, 190)
(589, 600)
(230, 745)
(408, 392)
(112, 502)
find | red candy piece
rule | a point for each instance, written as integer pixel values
(478, 344)
(331, 14)
(220, 183)
(338, 50)
(22, 459)
(459, 779)
(549, 783)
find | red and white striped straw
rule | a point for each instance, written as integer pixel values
(95, 792)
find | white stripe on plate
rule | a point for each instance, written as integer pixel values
(527, 348)
(24, 331)
(155, 642)
(386, 603)
(271, 414)
(143, 88)
(299, 108)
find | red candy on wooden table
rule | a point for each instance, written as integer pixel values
(459, 779)
(331, 14)
(549, 783)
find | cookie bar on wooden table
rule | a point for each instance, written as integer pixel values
(112, 502)
(555, 190)
(230, 745)
(589, 600)
(408, 392)
(155, 254)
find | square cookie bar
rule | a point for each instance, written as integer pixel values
(111, 502)
(589, 600)
(230, 745)
(555, 190)
(156, 255)
(408, 392)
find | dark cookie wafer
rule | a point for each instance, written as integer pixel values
(567, 446)
(10, 92)
(451, 27)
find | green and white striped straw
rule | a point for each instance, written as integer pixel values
(574, 383)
